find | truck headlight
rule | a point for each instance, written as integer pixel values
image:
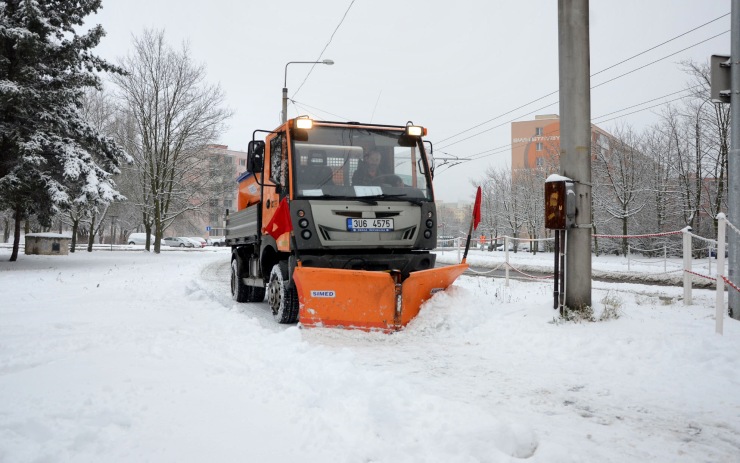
(415, 130)
(303, 123)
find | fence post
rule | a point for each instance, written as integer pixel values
(709, 258)
(665, 258)
(506, 257)
(629, 254)
(457, 246)
(686, 265)
(720, 302)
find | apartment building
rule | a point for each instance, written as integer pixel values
(536, 143)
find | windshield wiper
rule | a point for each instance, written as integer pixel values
(372, 200)
(404, 197)
(363, 199)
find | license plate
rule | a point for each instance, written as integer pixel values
(369, 225)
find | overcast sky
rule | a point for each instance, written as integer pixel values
(449, 66)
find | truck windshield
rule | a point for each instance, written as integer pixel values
(351, 162)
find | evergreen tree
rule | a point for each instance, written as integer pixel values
(51, 157)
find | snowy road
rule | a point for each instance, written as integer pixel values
(134, 357)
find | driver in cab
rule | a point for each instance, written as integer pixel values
(369, 170)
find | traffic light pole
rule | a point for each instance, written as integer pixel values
(575, 144)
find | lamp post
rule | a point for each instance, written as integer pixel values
(285, 82)
(112, 222)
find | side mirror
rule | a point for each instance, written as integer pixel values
(255, 156)
(430, 156)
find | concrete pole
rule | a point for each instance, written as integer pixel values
(575, 143)
(733, 164)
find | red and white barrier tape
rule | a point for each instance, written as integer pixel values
(700, 275)
(731, 284)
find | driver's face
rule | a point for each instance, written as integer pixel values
(373, 159)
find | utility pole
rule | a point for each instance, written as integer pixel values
(575, 143)
(733, 163)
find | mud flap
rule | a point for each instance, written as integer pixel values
(365, 300)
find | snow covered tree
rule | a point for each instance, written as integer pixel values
(529, 186)
(619, 172)
(52, 157)
(175, 116)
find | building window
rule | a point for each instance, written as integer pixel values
(214, 219)
(539, 146)
(538, 131)
(213, 202)
(228, 203)
(242, 162)
(540, 162)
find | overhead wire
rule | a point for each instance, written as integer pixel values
(596, 73)
(325, 47)
(661, 44)
(592, 87)
(510, 146)
(298, 103)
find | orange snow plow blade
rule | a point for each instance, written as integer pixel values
(366, 300)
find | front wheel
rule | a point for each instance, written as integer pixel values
(182, 245)
(283, 299)
(131, 243)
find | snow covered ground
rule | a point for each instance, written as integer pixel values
(130, 356)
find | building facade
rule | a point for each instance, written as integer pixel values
(535, 144)
(212, 224)
(224, 167)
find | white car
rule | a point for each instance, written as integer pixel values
(217, 241)
(139, 238)
(198, 240)
(179, 242)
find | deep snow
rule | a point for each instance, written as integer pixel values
(130, 356)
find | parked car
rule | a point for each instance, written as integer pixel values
(200, 240)
(196, 243)
(139, 238)
(217, 241)
(179, 242)
(713, 252)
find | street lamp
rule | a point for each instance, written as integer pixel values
(112, 222)
(285, 82)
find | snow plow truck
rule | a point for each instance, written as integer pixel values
(335, 223)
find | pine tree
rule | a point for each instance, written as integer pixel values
(52, 157)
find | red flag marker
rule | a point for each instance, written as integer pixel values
(280, 222)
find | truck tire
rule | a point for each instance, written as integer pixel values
(238, 288)
(241, 292)
(283, 299)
